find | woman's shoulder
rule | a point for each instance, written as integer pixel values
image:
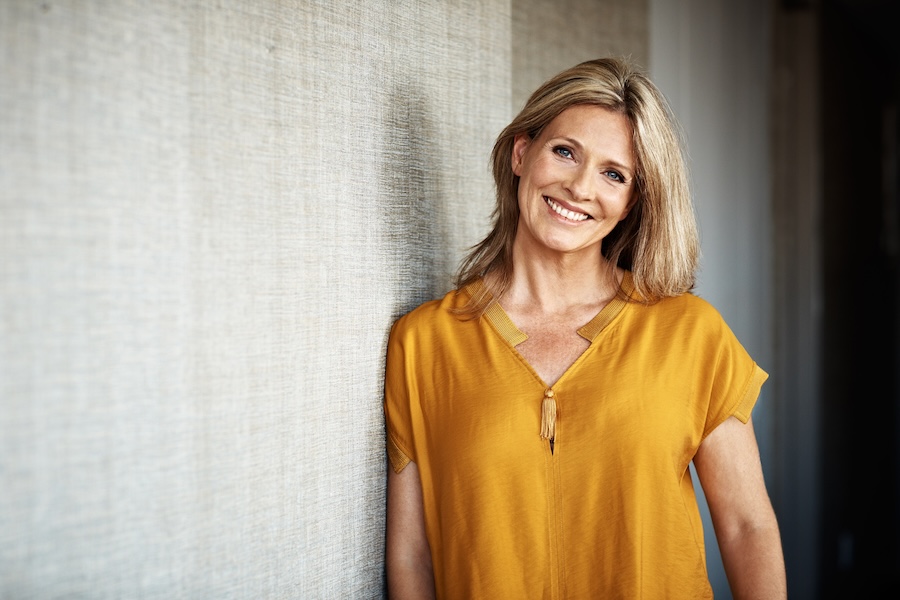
(688, 305)
(692, 301)
(686, 317)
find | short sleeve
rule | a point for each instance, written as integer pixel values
(736, 378)
(397, 410)
(750, 395)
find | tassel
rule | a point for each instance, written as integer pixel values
(548, 415)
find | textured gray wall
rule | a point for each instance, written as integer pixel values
(209, 216)
(552, 35)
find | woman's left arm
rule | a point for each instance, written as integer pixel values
(730, 472)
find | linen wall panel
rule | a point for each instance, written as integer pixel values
(210, 213)
(551, 35)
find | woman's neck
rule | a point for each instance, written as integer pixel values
(554, 284)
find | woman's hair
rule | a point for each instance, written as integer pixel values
(658, 240)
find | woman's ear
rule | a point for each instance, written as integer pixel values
(520, 144)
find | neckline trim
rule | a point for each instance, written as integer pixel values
(589, 331)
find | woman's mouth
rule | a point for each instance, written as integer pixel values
(565, 212)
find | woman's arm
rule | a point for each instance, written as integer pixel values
(730, 472)
(407, 554)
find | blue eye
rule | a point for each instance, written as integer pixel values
(615, 176)
(563, 151)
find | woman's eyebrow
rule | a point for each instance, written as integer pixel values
(621, 167)
(572, 142)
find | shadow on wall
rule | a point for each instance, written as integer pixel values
(414, 235)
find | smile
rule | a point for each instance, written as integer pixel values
(565, 212)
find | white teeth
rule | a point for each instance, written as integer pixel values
(564, 212)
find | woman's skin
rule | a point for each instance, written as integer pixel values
(407, 555)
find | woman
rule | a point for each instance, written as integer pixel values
(542, 416)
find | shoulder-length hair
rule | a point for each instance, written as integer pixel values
(658, 240)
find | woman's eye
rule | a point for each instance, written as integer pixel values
(615, 176)
(563, 151)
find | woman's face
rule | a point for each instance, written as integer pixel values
(576, 180)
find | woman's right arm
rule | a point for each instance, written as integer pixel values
(407, 554)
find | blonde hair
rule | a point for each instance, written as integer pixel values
(658, 240)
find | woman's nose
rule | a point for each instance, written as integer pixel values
(580, 183)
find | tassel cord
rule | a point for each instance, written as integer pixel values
(548, 415)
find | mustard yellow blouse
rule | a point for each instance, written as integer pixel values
(610, 512)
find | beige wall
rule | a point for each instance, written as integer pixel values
(209, 217)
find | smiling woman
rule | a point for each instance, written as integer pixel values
(543, 416)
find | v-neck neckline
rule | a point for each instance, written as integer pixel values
(507, 329)
(589, 331)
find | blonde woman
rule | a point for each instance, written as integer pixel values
(543, 415)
